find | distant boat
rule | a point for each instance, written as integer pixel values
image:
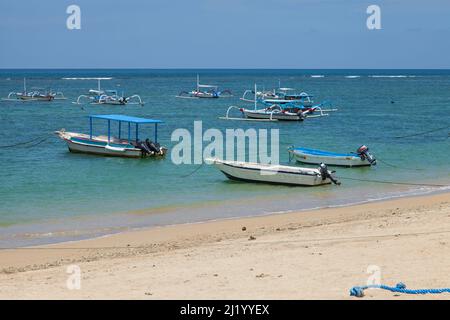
(106, 97)
(362, 157)
(37, 94)
(274, 174)
(276, 112)
(207, 91)
(287, 110)
(115, 146)
(280, 96)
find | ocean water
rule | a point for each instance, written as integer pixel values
(48, 194)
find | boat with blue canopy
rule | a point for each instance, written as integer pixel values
(108, 145)
(362, 157)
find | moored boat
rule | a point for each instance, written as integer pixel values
(115, 146)
(206, 91)
(274, 174)
(38, 94)
(276, 112)
(362, 157)
(105, 97)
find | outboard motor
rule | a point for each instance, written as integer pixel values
(323, 169)
(152, 146)
(143, 146)
(364, 153)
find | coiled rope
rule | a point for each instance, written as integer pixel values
(399, 288)
(37, 141)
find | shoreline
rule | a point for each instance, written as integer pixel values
(87, 232)
(409, 221)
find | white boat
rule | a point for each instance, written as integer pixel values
(106, 97)
(274, 174)
(115, 146)
(362, 157)
(277, 112)
(207, 91)
(37, 94)
(289, 95)
(279, 96)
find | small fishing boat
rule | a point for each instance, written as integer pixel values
(279, 96)
(362, 157)
(38, 94)
(289, 95)
(204, 91)
(106, 97)
(274, 174)
(110, 97)
(277, 112)
(115, 146)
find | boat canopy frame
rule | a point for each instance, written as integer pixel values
(126, 119)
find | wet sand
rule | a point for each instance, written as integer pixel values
(318, 254)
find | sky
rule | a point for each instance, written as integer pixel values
(304, 34)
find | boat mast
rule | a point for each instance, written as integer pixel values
(24, 85)
(198, 83)
(255, 96)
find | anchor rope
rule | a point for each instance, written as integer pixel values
(25, 143)
(396, 182)
(193, 171)
(421, 133)
(399, 288)
(397, 166)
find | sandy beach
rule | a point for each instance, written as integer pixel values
(316, 254)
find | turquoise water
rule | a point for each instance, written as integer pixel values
(48, 194)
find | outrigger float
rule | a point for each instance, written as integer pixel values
(35, 95)
(106, 97)
(204, 91)
(278, 112)
(362, 157)
(130, 147)
(274, 174)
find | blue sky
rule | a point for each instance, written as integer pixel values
(225, 34)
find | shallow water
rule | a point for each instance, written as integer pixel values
(48, 194)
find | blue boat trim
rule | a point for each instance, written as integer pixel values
(101, 143)
(325, 153)
(124, 118)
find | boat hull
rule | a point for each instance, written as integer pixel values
(80, 143)
(343, 161)
(287, 116)
(270, 174)
(101, 150)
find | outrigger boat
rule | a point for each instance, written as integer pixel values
(362, 157)
(274, 174)
(204, 91)
(106, 97)
(35, 95)
(277, 112)
(109, 97)
(288, 95)
(115, 146)
(280, 96)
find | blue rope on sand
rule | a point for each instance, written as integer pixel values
(399, 288)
